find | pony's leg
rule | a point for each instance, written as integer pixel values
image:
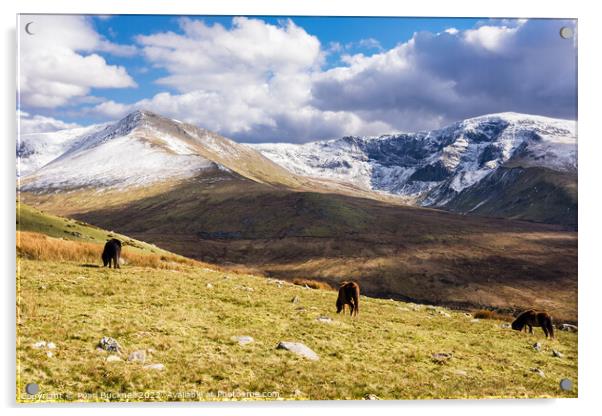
(351, 308)
(530, 329)
(545, 330)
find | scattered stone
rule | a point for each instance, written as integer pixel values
(566, 384)
(371, 396)
(431, 308)
(505, 325)
(537, 346)
(137, 356)
(242, 339)
(113, 358)
(295, 299)
(475, 320)
(209, 286)
(460, 373)
(324, 319)
(49, 354)
(246, 288)
(441, 357)
(51, 346)
(444, 314)
(299, 349)
(39, 344)
(298, 393)
(538, 372)
(156, 366)
(568, 327)
(109, 344)
(556, 353)
(468, 315)
(402, 309)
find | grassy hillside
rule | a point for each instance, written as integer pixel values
(395, 251)
(187, 318)
(42, 236)
(535, 194)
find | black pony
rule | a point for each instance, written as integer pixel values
(112, 251)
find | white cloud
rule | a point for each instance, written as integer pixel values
(263, 82)
(41, 124)
(57, 63)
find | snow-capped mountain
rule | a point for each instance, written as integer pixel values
(432, 167)
(141, 149)
(35, 150)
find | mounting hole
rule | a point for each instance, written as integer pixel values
(32, 388)
(566, 384)
(566, 32)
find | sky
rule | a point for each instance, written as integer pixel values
(291, 79)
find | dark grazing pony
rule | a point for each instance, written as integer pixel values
(531, 318)
(349, 294)
(111, 252)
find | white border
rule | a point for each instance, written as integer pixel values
(590, 168)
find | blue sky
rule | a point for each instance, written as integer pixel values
(293, 78)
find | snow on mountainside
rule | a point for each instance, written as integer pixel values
(141, 149)
(35, 150)
(432, 167)
(132, 152)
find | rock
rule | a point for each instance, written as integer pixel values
(557, 354)
(505, 325)
(444, 314)
(156, 366)
(113, 358)
(51, 346)
(537, 371)
(431, 308)
(568, 327)
(299, 349)
(468, 315)
(39, 344)
(475, 320)
(295, 299)
(324, 319)
(371, 396)
(298, 393)
(402, 309)
(137, 356)
(209, 286)
(242, 339)
(49, 354)
(246, 288)
(460, 373)
(109, 344)
(537, 346)
(441, 357)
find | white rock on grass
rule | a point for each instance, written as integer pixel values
(38, 345)
(537, 346)
(113, 358)
(324, 319)
(557, 354)
(51, 345)
(109, 344)
(137, 356)
(156, 366)
(209, 286)
(242, 339)
(299, 349)
(538, 372)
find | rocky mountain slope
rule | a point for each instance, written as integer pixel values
(433, 168)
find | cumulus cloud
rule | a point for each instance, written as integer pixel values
(434, 79)
(262, 82)
(58, 64)
(39, 124)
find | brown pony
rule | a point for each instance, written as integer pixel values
(531, 318)
(349, 294)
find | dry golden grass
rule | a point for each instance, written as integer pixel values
(36, 246)
(489, 314)
(313, 284)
